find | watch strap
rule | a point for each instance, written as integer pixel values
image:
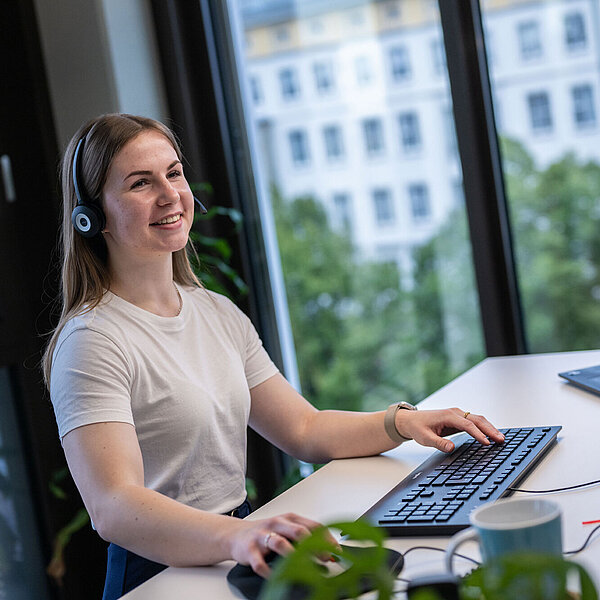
(389, 422)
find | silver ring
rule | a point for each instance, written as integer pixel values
(267, 538)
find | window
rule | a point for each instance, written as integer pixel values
(290, 88)
(255, 90)
(400, 63)
(364, 73)
(539, 111)
(324, 81)
(392, 10)
(299, 147)
(419, 202)
(355, 316)
(343, 210)
(438, 56)
(584, 111)
(551, 181)
(384, 208)
(281, 35)
(410, 134)
(334, 147)
(530, 43)
(373, 132)
(575, 34)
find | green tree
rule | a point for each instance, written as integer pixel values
(555, 215)
(363, 340)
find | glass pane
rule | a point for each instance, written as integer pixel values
(22, 574)
(545, 86)
(353, 136)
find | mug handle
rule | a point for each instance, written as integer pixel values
(455, 541)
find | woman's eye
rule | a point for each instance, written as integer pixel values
(175, 173)
(139, 183)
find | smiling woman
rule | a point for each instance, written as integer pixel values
(154, 380)
(149, 211)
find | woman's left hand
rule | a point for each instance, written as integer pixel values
(428, 427)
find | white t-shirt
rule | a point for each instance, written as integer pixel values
(183, 382)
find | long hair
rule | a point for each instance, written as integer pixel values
(84, 273)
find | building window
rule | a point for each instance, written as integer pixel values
(410, 132)
(373, 132)
(290, 87)
(384, 207)
(342, 206)
(299, 147)
(420, 205)
(316, 26)
(256, 90)
(539, 111)
(400, 63)
(530, 43)
(438, 55)
(364, 73)
(575, 33)
(323, 72)
(282, 35)
(392, 10)
(584, 111)
(334, 146)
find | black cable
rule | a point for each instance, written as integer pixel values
(562, 489)
(589, 537)
(441, 550)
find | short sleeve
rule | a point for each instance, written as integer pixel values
(258, 365)
(90, 381)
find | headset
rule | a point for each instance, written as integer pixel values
(88, 217)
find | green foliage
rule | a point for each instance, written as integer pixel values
(301, 568)
(367, 334)
(214, 253)
(555, 214)
(527, 577)
(363, 338)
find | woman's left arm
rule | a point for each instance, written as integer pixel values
(281, 415)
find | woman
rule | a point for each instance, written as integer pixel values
(154, 379)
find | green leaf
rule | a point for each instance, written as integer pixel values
(528, 577)
(301, 568)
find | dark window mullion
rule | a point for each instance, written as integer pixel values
(482, 178)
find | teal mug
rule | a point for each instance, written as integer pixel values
(513, 525)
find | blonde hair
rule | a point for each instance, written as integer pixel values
(84, 272)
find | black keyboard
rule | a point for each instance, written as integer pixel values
(438, 496)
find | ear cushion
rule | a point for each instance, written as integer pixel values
(88, 220)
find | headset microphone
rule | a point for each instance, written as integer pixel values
(87, 217)
(200, 206)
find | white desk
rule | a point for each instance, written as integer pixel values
(510, 392)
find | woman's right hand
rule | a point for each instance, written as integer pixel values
(251, 543)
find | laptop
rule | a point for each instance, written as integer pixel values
(588, 378)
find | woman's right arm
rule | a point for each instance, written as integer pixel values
(106, 464)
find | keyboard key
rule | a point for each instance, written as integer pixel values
(420, 519)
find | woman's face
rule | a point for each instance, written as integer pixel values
(148, 203)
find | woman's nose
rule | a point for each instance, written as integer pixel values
(168, 193)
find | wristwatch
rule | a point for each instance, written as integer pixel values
(389, 421)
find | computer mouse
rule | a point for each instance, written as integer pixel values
(250, 584)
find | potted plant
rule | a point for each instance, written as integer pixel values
(511, 577)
